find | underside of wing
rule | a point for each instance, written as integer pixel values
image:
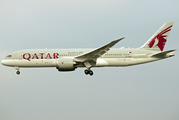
(96, 53)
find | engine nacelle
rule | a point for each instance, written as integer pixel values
(65, 64)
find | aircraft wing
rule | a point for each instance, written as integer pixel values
(96, 53)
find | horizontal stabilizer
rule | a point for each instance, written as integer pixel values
(163, 54)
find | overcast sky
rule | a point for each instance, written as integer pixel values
(142, 92)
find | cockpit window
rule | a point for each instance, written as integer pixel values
(9, 56)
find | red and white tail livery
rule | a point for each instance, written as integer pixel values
(159, 39)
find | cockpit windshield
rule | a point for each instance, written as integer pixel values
(9, 56)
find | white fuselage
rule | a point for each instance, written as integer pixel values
(48, 57)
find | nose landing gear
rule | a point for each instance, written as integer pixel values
(17, 72)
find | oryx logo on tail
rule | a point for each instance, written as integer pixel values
(160, 39)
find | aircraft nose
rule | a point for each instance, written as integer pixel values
(3, 62)
(7, 62)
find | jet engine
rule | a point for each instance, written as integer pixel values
(65, 64)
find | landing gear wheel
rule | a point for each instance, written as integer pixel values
(86, 72)
(91, 72)
(18, 72)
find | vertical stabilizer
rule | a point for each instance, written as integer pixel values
(159, 39)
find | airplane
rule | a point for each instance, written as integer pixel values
(105, 56)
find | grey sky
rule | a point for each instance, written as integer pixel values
(143, 92)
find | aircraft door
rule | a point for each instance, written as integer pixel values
(20, 56)
(135, 55)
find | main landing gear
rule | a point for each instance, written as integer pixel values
(90, 72)
(88, 66)
(17, 72)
